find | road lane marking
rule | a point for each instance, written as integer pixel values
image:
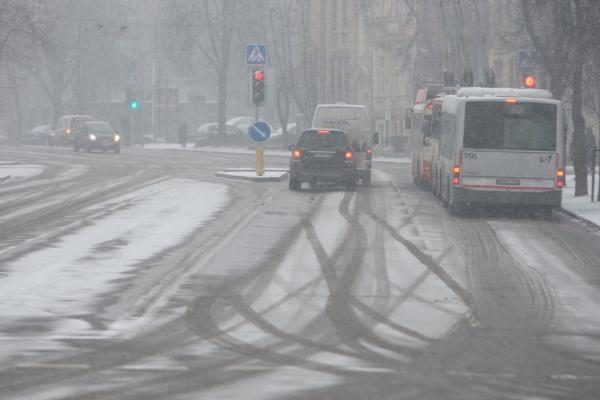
(54, 366)
(470, 374)
(156, 368)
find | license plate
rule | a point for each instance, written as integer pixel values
(322, 155)
(508, 181)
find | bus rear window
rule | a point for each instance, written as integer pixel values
(496, 125)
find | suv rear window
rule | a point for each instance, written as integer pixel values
(313, 140)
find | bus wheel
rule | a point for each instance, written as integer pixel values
(294, 184)
(455, 208)
(366, 180)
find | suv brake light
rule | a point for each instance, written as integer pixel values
(323, 132)
(296, 154)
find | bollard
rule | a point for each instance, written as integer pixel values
(260, 160)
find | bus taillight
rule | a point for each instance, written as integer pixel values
(560, 178)
(456, 175)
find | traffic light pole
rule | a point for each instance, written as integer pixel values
(260, 150)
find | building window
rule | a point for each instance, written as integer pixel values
(398, 75)
(344, 24)
(334, 21)
(380, 68)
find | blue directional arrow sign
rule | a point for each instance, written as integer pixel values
(259, 131)
(256, 54)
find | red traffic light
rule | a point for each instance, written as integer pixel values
(529, 81)
(259, 75)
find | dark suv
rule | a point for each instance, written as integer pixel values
(322, 155)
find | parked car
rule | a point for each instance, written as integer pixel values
(65, 128)
(277, 135)
(207, 135)
(98, 135)
(243, 123)
(38, 135)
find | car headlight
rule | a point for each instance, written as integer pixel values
(117, 138)
(92, 136)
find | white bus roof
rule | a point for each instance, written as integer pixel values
(504, 92)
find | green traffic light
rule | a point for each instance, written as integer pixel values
(133, 104)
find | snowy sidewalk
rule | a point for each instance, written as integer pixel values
(581, 206)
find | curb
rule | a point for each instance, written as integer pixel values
(579, 218)
(228, 175)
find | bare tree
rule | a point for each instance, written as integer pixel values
(558, 30)
(207, 27)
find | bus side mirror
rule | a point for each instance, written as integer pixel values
(376, 138)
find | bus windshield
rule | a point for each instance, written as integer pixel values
(502, 126)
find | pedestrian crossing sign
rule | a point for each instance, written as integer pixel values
(256, 54)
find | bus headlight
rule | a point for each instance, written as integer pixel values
(92, 137)
(117, 138)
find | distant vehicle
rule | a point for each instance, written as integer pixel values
(501, 146)
(97, 135)
(352, 119)
(207, 135)
(292, 132)
(322, 156)
(65, 127)
(38, 135)
(243, 123)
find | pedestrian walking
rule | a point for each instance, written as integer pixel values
(182, 134)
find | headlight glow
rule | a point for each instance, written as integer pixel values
(117, 138)
(92, 136)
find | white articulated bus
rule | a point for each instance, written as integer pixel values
(501, 146)
(354, 121)
(425, 134)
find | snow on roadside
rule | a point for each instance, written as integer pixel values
(11, 172)
(581, 206)
(62, 282)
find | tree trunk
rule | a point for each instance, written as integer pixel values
(222, 105)
(579, 156)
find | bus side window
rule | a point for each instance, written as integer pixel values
(426, 130)
(436, 119)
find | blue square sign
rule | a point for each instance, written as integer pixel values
(256, 54)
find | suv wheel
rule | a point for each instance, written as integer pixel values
(351, 185)
(294, 184)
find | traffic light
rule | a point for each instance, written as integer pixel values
(529, 81)
(132, 99)
(258, 86)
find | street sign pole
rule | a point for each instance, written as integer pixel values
(260, 150)
(260, 132)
